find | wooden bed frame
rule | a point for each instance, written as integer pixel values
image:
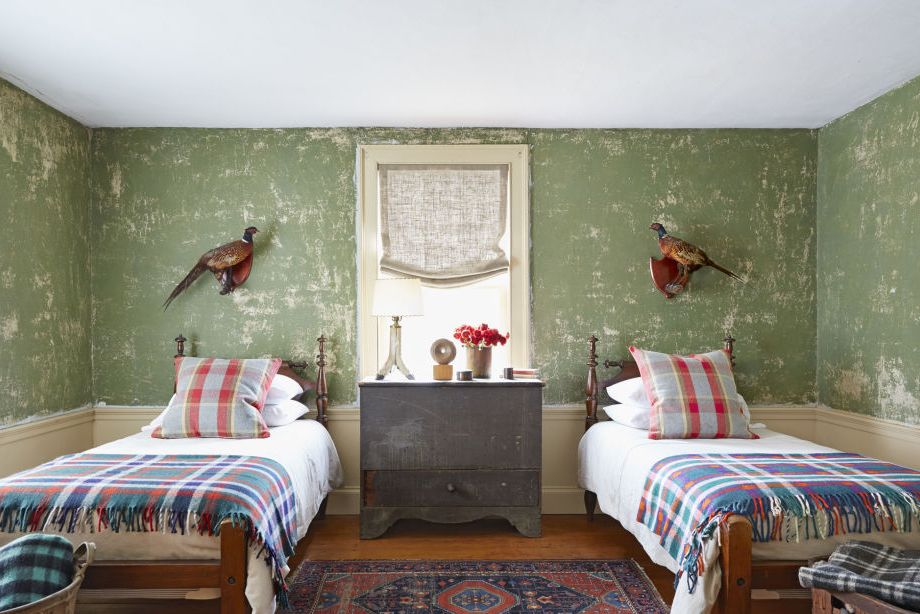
(740, 574)
(229, 572)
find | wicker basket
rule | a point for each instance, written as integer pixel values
(65, 600)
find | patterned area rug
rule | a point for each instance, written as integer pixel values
(480, 587)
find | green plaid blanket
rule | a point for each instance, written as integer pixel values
(33, 567)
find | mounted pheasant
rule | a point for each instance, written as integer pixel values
(230, 263)
(687, 255)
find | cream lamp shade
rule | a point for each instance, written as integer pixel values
(397, 297)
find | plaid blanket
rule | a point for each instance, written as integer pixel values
(33, 567)
(787, 497)
(164, 493)
(890, 574)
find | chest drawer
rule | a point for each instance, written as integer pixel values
(482, 488)
(460, 427)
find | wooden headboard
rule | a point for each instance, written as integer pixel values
(628, 370)
(288, 368)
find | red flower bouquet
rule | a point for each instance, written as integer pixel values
(482, 337)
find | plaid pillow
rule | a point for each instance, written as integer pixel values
(218, 398)
(692, 397)
(33, 567)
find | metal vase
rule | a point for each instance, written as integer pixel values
(479, 361)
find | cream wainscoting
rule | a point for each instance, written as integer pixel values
(563, 426)
(888, 440)
(31, 443)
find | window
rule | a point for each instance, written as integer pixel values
(404, 184)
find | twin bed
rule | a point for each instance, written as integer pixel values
(615, 465)
(615, 462)
(228, 566)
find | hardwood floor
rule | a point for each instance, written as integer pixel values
(564, 537)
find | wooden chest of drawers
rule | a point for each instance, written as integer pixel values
(450, 452)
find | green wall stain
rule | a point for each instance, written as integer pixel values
(44, 274)
(163, 196)
(868, 275)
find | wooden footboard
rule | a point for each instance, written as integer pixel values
(227, 574)
(735, 560)
(740, 574)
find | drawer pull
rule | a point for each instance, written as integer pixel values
(451, 488)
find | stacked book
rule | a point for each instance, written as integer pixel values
(522, 373)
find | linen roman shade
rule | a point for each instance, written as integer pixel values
(443, 223)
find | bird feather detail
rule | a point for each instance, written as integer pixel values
(686, 254)
(230, 263)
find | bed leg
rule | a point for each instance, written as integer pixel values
(321, 512)
(233, 558)
(590, 504)
(735, 559)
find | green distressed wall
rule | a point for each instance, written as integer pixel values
(44, 274)
(163, 196)
(868, 254)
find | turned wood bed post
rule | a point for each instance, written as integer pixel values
(591, 385)
(728, 344)
(322, 390)
(591, 417)
(180, 346)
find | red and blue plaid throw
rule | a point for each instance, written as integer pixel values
(147, 493)
(787, 497)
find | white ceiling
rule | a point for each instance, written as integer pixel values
(513, 63)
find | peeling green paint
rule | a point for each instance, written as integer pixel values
(163, 196)
(745, 196)
(44, 273)
(868, 274)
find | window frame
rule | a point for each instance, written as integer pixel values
(517, 157)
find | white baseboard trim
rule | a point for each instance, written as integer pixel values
(563, 500)
(345, 501)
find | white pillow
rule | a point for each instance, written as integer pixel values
(629, 414)
(638, 416)
(282, 388)
(629, 391)
(284, 412)
(159, 419)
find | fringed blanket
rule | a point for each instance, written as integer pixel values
(787, 497)
(163, 493)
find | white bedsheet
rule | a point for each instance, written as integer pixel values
(614, 461)
(304, 448)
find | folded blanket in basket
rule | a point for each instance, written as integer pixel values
(34, 567)
(890, 574)
(147, 493)
(787, 497)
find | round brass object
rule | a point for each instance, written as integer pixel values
(443, 351)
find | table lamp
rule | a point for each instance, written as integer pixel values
(396, 298)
